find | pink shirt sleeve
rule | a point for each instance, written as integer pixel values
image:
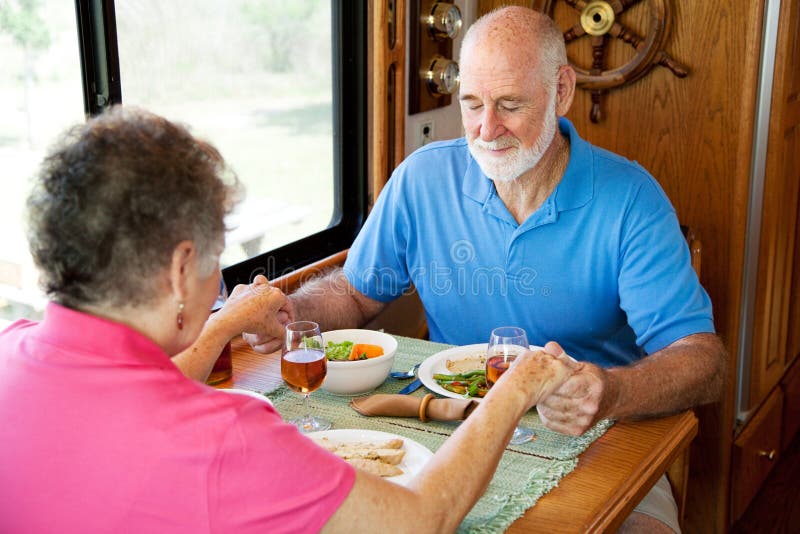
(268, 477)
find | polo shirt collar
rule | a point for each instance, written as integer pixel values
(576, 187)
(88, 334)
(476, 185)
(573, 191)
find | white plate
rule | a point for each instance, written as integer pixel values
(436, 364)
(417, 455)
(248, 393)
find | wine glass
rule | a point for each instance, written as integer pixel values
(303, 368)
(505, 344)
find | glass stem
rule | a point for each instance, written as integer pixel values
(306, 410)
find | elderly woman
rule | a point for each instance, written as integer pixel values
(103, 432)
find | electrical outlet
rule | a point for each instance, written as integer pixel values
(425, 133)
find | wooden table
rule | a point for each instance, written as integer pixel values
(612, 476)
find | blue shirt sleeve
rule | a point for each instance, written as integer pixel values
(376, 264)
(658, 289)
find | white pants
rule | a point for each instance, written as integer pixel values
(660, 504)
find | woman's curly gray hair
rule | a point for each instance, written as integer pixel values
(114, 198)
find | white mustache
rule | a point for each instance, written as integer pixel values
(497, 144)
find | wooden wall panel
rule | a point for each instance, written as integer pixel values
(695, 136)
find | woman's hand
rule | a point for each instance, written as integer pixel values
(578, 403)
(538, 374)
(259, 309)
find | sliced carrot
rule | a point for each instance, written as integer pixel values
(361, 351)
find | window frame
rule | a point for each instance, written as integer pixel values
(102, 87)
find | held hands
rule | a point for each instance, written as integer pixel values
(538, 374)
(267, 334)
(260, 309)
(579, 402)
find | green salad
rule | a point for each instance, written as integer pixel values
(338, 351)
(310, 343)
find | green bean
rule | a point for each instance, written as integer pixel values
(471, 384)
(455, 389)
(461, 376)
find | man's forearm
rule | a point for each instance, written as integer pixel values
(689, 372)
(333, 303)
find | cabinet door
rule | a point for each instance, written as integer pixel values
(755, 453)
(779, 219)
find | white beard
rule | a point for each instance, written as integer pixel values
(519, 159)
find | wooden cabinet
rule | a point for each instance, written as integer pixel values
(755, 453)
(791, 404)
(776, 267)
(774, 392)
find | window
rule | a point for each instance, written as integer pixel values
(279, 87)
(40, 96)
(255, 78)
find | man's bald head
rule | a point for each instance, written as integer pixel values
(516, 34)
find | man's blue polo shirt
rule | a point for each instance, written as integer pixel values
(601, 267)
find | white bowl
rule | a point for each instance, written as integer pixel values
(359, 376)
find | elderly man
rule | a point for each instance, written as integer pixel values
(523, 222)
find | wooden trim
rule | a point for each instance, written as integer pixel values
(387, 91)
(292, 281)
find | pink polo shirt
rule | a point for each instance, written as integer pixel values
(100, 432)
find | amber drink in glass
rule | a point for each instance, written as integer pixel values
(303, 368)
(505, 344)
(223, 367)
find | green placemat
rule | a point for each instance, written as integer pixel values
(525, 473)
(548, 444)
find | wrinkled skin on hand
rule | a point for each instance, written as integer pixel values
(536, 374)
(262, 311)
(579, 402)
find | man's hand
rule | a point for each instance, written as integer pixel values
(259, 309)
(580, 401)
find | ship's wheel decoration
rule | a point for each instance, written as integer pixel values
(600, 21)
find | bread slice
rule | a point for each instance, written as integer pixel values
(388, 456)
(332, 446)
(465, 365)
(379, 458)
(376, 467)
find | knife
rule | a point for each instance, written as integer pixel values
(413, 386)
